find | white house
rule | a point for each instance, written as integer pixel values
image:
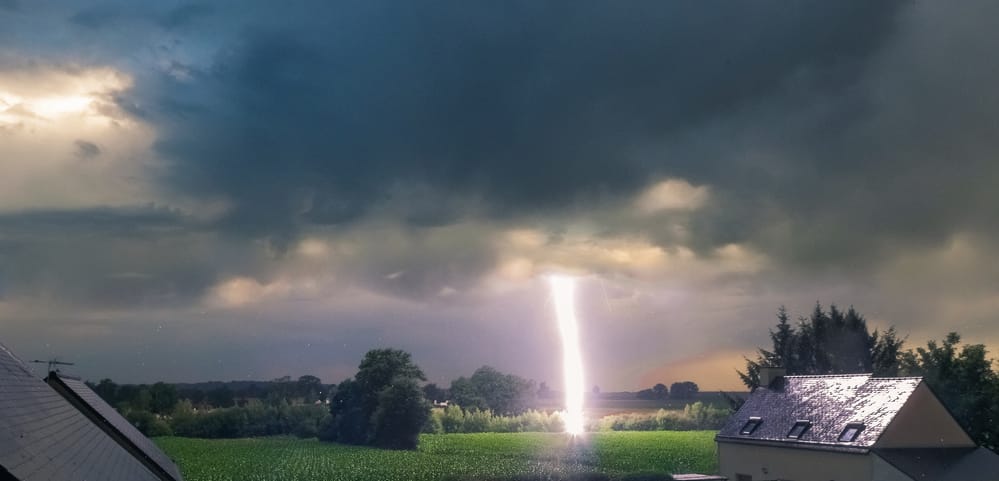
(849, 428)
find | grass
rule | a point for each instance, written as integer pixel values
(487, 456)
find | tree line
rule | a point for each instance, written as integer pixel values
(160, 398)
(221, 410)
(838, 342)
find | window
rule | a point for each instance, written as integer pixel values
(750, 426)
(850, 432)
(743, 477)
(799, 429)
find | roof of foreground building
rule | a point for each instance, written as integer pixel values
(839, 412)
(43, 437)
(114, 424)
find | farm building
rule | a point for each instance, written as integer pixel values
(849, 428)
(68, 433)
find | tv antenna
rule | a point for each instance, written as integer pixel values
(53, 363)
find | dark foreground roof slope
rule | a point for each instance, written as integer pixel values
(87, 401)
(828, 403)
(944, 464)
(43, 437)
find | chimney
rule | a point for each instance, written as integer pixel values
(769, 374)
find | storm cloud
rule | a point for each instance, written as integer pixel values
(376, 172)
(521, 105)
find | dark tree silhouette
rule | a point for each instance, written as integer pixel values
(400, 416)
(660, 390)
(164, 396)
(107, 390)
(683, 390)
(490, 389)
(433, 392)
(221, 397)
(833, 342)
(965, 382)
(359, 416)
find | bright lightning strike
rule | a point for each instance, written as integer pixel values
(564, 294)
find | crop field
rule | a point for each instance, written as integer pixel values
(488, 456)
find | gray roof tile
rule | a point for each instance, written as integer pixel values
(121, 425)
(42, 437)
(829, 403)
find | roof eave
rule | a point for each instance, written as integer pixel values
(794, 445)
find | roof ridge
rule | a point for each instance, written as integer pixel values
(867, 374)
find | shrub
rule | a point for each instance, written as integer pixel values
(253, 419)
(148, 423)
(453, 419)
(402, 411)
(694, 416)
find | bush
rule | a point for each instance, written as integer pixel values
(148, 423)
(402, 411)
(453, 419)
(696, 416)
(253, 419)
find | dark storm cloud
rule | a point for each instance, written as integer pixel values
(185, 15)
(100, 16)
(109, 14)
(104, 257)
(902, 159)
(389, 172)
(311, 114)
(131, 220)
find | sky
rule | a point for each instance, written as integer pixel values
(247, 189)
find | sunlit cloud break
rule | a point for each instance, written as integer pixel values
(563, 295)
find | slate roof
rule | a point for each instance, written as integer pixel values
(944, 464)
(123, 430)
(43, 437)
(830, 403)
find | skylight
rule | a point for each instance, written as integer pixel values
(850, 432)
(799, 428)
(750, 426)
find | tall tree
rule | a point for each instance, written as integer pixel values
(435, 393)
(107, 390)
(309, 388)
(833, 342)
(221, 397)
(382, 405)
(660, 390)
(965, 382)
(683, 390)
(164, 396)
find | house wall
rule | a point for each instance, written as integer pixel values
(923, 422)
(883, 471)
(767, 463)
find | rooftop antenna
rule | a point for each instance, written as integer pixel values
(52, 363)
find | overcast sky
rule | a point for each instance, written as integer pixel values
(247, 189)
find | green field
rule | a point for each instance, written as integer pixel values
(446, 457)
